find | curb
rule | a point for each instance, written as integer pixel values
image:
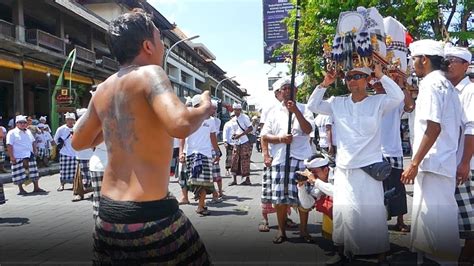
(50, 170)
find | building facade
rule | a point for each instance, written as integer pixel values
(37, 36)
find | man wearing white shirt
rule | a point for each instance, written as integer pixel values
(67, 155)
(42, 120)
(437, 124)
(217, 196)
(43, 141)
(393, 153)
(284, 190)
(360, 226)
(266, 198)
(459, 59)
(21, 150)
(196, 151)
(228, 142)
(82, 158)
(324, 127)
(97, 165)
(242, 147)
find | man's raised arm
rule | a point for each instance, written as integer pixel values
(178, 120)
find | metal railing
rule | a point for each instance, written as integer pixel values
(109, 63)
(7, 29)
(46, 40)
(85, 54)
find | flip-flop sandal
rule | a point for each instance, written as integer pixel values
(60, 188)
(77, 198)
(203, 212)
(402, 228)
(39, 191)
(22, 193)
(307, 239)
(263, 227)
(232, 183)
(279, 239)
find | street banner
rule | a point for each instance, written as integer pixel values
(275, 33)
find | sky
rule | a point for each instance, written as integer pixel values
(233, 31)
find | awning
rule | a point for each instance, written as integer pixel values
(54, 71)
(10, 64)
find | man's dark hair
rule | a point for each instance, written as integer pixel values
(126, 34)
(438, 62)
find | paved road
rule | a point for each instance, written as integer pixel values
(50, 229)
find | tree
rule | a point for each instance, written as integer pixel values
(421, 17)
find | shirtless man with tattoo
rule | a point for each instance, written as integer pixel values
(137, 114)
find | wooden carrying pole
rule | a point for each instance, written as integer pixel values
(292, 97)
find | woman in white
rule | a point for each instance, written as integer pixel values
(437, 125)
(359, 214)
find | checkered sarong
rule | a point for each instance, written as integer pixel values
(267, 185)
(67, 169)
(396, 162)
(465, 198)
(19, 175)
(199, 174)
(216, 170)
(96, 178)
(43, 153)
(228, 156)
(85, 173)
(2, 195)
(2, 156)
(276, 185)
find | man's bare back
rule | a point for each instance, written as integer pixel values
(138, 113)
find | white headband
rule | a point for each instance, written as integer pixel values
(316, 162)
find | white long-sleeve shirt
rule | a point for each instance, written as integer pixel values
(465, 90)
(358, 125)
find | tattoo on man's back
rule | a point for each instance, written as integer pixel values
(118, 123)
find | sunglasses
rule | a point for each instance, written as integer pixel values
(356, 77)
(455, 60)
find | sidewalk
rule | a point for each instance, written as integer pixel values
(52, 169)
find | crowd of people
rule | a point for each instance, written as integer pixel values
(356, 178)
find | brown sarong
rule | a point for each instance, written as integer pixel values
(241, 159)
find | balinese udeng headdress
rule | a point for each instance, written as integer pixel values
(363, 36)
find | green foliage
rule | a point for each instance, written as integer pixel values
(318, 25)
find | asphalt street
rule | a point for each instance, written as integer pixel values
(49, 228)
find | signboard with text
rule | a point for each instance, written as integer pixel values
(275, 33)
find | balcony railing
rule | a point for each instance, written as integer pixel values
(109, 63)
(45, 40)
(7, 29)
(84, 54)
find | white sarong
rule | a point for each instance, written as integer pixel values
(434, 227)
(359, 215)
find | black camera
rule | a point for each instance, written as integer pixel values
(300, 178)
